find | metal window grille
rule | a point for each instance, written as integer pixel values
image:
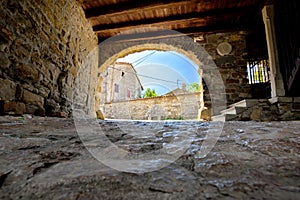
(258, 71)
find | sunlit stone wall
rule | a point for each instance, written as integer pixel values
(175, 106)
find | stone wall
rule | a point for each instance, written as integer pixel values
(233, 67)
(43, 44)
(274, 109)
(287, 108)
(181, 106)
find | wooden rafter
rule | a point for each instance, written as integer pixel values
(127, 6)
(233, 12)
(244, 24)
(111, 17)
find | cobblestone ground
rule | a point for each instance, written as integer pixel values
(44, 158)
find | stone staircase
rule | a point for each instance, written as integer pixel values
(234, 111)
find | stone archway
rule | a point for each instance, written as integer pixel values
(143, 47)
(111, 49)
(86, 88)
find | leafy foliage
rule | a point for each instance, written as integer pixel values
(149, 93)
(172, 118)
(193, 87)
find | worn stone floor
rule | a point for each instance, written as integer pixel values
(44, 158)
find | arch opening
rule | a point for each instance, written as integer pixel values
(110, 50)
(168, 70)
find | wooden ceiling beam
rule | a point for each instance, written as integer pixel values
(161, 34)
(215, 15)
(243, 24)
(128, 5)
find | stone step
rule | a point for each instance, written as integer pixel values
(224, 117)
(234, 110)
(245, 103)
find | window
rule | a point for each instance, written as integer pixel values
(116, 88)
(128, 93)
(258, 71)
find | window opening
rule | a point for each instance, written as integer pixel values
(116, 88)
(258, 71)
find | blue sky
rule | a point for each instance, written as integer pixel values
(163, 71)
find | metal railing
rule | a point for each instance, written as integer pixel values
(258, 71)
(259, 80)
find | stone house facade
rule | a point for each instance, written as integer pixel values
(120, 83)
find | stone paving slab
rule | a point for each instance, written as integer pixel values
(44, 158)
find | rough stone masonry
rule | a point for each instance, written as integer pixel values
(43, 44)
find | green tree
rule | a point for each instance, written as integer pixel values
(149, 93)
(193, 87)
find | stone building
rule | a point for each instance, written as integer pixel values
(120, 83)
(46, 78)
(53, 55)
